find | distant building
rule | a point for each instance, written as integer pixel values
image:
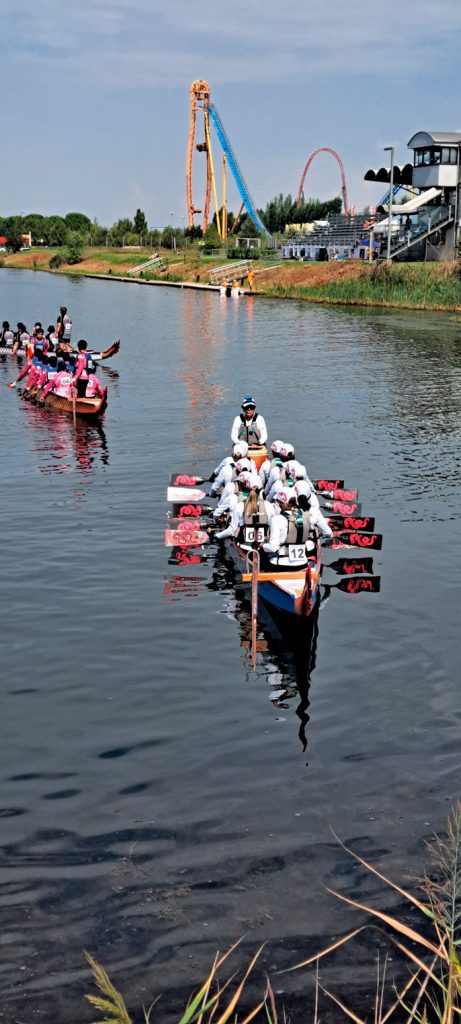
(427, 226)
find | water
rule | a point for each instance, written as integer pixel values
(158, 799)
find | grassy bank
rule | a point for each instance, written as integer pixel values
(425, 286)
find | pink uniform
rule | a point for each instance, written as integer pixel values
(33, 377)
(93, 388)
(61, 384)
(81, 367)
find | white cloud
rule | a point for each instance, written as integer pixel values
(149, 43)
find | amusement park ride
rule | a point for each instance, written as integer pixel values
(200, 104)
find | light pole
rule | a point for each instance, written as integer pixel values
(172, 230)
(390, 149)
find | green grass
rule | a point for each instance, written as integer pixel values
(412, 286)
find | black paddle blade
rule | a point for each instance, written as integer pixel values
(360, 585)
(185, 480)
(190, 511)
(372, 541)
(337, 521)
(344, 508)
(351, 566)
(328, 485)
(339, 494)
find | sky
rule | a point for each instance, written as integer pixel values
(95, 96)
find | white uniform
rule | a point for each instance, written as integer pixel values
(228, 500)
(274, 476)
(237, 520)
(305, 487)
(226, 473)
(300, 471)
(278, 530)
(259, 427)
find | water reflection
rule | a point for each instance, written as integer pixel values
(287, 646)
(62, 446)
(199, 366)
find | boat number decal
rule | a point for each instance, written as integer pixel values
(250, 534)
(297, 552)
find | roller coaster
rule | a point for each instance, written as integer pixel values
(200, 103)
(326, 149)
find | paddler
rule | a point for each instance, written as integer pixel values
(94, 387)
(64, 325)
(251, 515)
(6, 335)
(21, 338)
(249, 425)
(60, 383)
(230, 467)
(275, 470)
(30, 370)
(294, 526)
(84, 361)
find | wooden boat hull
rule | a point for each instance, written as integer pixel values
(89, 407)
(292, 591)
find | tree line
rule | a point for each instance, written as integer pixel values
(76, 230)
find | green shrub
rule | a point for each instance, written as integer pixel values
(55, 261)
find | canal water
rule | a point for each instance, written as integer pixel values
(159, 798)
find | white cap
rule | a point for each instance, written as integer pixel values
(250, 480)
(276, 447)
(283, 496)
(302, 487)
(243, 466)
(240, 449)
(287, 450)
(294, 469)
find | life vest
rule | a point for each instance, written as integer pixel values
(299, 527)
(7, 338)
(255, 526)
(66, 327)
(249, 431)
(24, 339)
(64, 385)
(40, 344)
(90, 364)
(36, 360)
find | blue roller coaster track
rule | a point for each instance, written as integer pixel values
(236, 172)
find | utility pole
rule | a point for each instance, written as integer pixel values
(390, 149)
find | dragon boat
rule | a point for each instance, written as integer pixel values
(287, 588)
(89, 407)
(7, 350)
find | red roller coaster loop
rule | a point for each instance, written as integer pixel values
(326, 149)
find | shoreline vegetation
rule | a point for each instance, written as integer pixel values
(418, 286)
(426, 932)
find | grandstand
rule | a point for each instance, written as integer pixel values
(339, 236)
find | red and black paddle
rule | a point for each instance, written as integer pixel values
(351, 566)
(337, 521)
(356, 585)
(372, 541)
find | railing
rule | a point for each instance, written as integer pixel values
(230, 272)
(155, 261)
(430, 219)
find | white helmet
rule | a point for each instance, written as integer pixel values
(302, 487)
(283, 496)
(294, 470)
(287, 451)
(276, 447)
(240, 449)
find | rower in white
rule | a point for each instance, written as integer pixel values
(249, 425)
(251, 515)
(293, 530)
(277, 466)
(231, 491)
(226, 471)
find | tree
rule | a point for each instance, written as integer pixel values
(119, 230)
(74, 247)
(33, 222)
(140, 223)
(78, 222)
(167, 238)
(13, 231)
(54, 231)
(211, 237)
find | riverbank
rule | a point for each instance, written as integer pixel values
(422, 286)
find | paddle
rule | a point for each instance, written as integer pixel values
(351, 567)
(191, 511)
(356, 585)
(337, 521)
(339, 494)
(189, 537)
(372, 541)
(182, 556)
(190, 480)
(345, 508)
(178, 495)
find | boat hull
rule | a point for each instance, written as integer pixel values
(88, 407)
(293, 592)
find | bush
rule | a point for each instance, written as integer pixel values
(74, 248)
(55, 261)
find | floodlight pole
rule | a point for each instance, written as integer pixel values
(390, 149)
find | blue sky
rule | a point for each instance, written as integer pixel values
(98, 107)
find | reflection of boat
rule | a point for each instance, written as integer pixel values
(90, 407)
(96, 356)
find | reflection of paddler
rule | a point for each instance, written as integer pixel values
(250, 279)
(235, 290)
